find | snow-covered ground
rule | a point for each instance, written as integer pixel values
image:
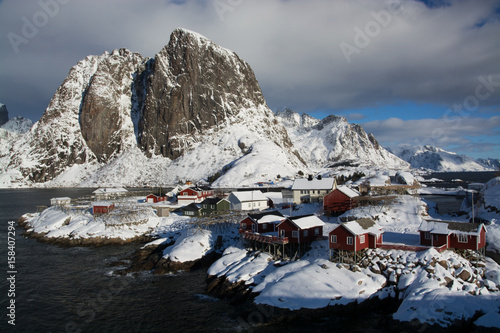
(129, 220)
(435, 288)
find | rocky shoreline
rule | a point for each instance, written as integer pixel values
(70, 242)
(150, 258)
(264, 318)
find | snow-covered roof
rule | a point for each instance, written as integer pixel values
(306, 221)
(313, 184)
(363, 226)
(61, 199)
(268, 217)
(447, 227)
(245, 196)
(351, 193)
(102, 203)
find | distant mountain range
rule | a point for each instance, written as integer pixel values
(437, 159)
(333, 142)
(194, 111)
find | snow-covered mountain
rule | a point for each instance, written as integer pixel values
(333, 141)
(490, 163)
(192, 111)
(11, 131)
(436, 159)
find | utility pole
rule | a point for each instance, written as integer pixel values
(472, 197)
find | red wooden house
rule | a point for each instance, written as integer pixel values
(102, 207)
(261, 223)
(153, 198)
(301, 229)
(194, 194)
(356, 235)
(456, 235)
(339, 200)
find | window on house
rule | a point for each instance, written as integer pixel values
(306, 233)
(427, 235)
(316, 231)
(436, 237)
(282, 233)
(243, 226)
(463, 238)
(334, 238)
(349, 240)
(295, 234)
(361, 239)
(264, 226)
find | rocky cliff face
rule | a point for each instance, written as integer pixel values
(107, 110)
(4, 114)
(117, 115)
(194, 85)
(333, 141)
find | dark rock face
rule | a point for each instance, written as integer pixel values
(111, 102)
(4, 115)
(194, 85)
(103, 107)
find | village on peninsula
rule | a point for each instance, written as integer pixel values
(305, 243)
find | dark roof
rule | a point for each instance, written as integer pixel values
(455, 226)
(211, 201)
(192, 207)
(261, 215)
(291, 218)
(465, 227)
(366, 223)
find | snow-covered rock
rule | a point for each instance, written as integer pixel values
(333, 141)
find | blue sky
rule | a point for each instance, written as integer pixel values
(410, 72)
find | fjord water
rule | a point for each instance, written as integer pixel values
(71, 289)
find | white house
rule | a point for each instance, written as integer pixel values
(248, 200)
(312, 189)
(62, 201)
(109, 193)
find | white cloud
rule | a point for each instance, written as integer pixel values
(437, 132)
(417, 54)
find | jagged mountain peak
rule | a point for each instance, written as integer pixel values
(333, 141)
(330, 120)
(291, 119)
